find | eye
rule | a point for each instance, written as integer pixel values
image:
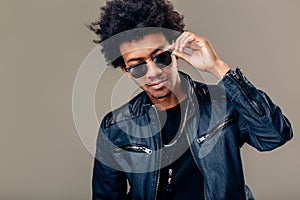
(139, 70)
(163, 59)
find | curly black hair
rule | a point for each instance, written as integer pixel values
(118, 17)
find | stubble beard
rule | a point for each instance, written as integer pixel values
(168, 94)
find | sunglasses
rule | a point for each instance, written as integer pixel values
(161, 60)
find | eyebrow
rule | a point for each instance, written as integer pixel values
(152, 53)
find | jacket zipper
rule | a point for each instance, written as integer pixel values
(134, 148)
(160, 156)
(190, 148)
(215, 129)
(260, 110)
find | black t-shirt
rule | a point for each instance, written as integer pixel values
(186, 178)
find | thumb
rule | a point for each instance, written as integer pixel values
(182, 55)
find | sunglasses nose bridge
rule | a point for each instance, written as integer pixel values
(148, 60)
(153, 69)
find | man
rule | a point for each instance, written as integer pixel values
(178, 139)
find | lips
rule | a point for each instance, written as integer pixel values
(158, 84)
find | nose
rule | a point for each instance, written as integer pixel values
(153, 70)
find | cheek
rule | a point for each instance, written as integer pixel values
(173, 66)
(173, 70)
(140, 82)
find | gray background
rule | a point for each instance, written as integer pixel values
(44, 42)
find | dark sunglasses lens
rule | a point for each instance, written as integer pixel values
(163, 60)
(139, 70)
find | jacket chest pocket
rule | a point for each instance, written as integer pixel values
(209, 139)
(215, 129)
(134, 158)
(133, 148)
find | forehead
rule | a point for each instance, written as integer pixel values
(147, 43)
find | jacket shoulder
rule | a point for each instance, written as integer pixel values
(129, 110)
(209, 93)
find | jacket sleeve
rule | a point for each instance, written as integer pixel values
(261, 122)
(107, 183)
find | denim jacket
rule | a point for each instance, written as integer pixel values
(218, 120)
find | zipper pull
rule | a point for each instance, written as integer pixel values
(134, 148)
(169, 186)
(201, 139)
(146, 150)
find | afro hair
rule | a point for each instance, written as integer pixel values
(121, 16)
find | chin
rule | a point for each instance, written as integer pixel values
(159, 95)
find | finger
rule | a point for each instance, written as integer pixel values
(182, 55)
(198, 43)
(171, 46)
(187, 41)
(179, 41)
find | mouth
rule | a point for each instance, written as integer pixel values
(157, 85)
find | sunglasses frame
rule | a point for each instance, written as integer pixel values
(169, 51)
